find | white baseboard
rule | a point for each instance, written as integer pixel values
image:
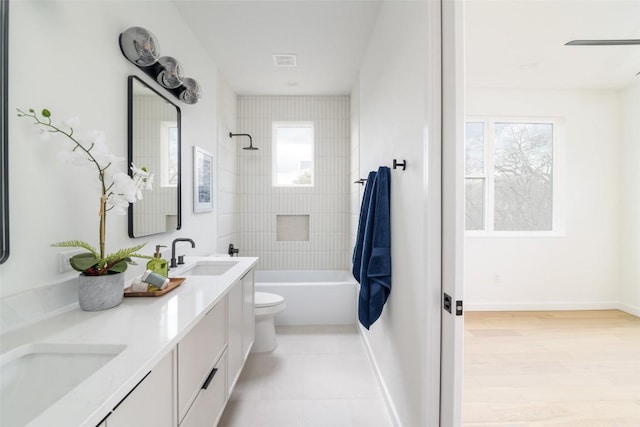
(386, 396)
(629, 309)
(552, 306)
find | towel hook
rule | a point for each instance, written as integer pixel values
(397, 164)
(361, 181)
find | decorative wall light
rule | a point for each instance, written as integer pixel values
(140, 46)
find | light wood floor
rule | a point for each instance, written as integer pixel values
(551, 369)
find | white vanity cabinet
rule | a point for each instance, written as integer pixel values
(241, 325)
(202, 369)
(151, 402)
(234, 349)
(191, 385)
(248, 314)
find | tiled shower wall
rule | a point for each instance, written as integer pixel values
(356, 190)
(326, 203)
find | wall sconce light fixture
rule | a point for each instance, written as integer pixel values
(141, 48)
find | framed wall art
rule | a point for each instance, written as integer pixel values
(202, 180)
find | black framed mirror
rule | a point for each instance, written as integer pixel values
(154, 143)
(4, 131)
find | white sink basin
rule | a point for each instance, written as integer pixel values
(35, 376)
(209, 268)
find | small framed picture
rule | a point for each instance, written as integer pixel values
(202, 180)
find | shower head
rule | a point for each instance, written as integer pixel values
(250, 147)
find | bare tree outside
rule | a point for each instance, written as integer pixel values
(474, 176)
(523, 176)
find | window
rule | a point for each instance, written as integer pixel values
(293, 154)
(509, 176)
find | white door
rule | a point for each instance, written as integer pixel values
(451, 364)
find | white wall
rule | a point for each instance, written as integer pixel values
(578, 269)
(630, 201)
(326, 202)
(392, 120)
(64, 55)
(227, 161)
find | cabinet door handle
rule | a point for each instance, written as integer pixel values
(209, 378)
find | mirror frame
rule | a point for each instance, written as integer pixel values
(4, 131)
(131, 80)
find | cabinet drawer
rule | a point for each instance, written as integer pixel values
(210, 402)
(197, 352)
(150, 403)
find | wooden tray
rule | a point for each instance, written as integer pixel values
(174, 282)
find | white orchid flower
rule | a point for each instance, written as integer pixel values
(138, 171)
(110, 172)
(118, 204)
(125, 186)
(95, 143)
(149, 182)
(142, 178)
(117, 190)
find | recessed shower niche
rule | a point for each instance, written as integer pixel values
(292, 228)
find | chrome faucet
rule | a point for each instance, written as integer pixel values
(173, 250)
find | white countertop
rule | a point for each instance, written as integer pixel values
(149, 328)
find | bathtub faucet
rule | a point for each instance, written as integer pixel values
(233, 250)
(173, 250)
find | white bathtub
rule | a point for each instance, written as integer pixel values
(320, 297)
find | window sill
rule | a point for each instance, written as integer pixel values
(515, 234)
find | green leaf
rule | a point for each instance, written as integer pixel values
(77, 244)
(46, 113)
(119, 267)
(84, 261)
(123, 253)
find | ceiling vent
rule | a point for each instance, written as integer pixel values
(284, 60)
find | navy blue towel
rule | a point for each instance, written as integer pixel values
(375, 269)
(364, 209)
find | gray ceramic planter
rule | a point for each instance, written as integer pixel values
(100, 292)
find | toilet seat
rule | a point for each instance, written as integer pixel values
(265, 299)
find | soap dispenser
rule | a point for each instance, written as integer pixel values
(158, 264)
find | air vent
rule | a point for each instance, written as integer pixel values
(284, 60)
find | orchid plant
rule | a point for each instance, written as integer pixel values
(118, 189)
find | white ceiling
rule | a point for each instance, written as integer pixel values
(328, 37)
(514, 43)
(509, 43)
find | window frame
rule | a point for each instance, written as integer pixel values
(558, 168)
(275, 125)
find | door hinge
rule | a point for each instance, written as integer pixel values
(446, 304)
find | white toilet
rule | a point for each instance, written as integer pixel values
(266, 306)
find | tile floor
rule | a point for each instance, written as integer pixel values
(319, 376)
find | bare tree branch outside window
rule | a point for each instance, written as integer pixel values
(521, 155)
(474, 176)
(523, 174)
